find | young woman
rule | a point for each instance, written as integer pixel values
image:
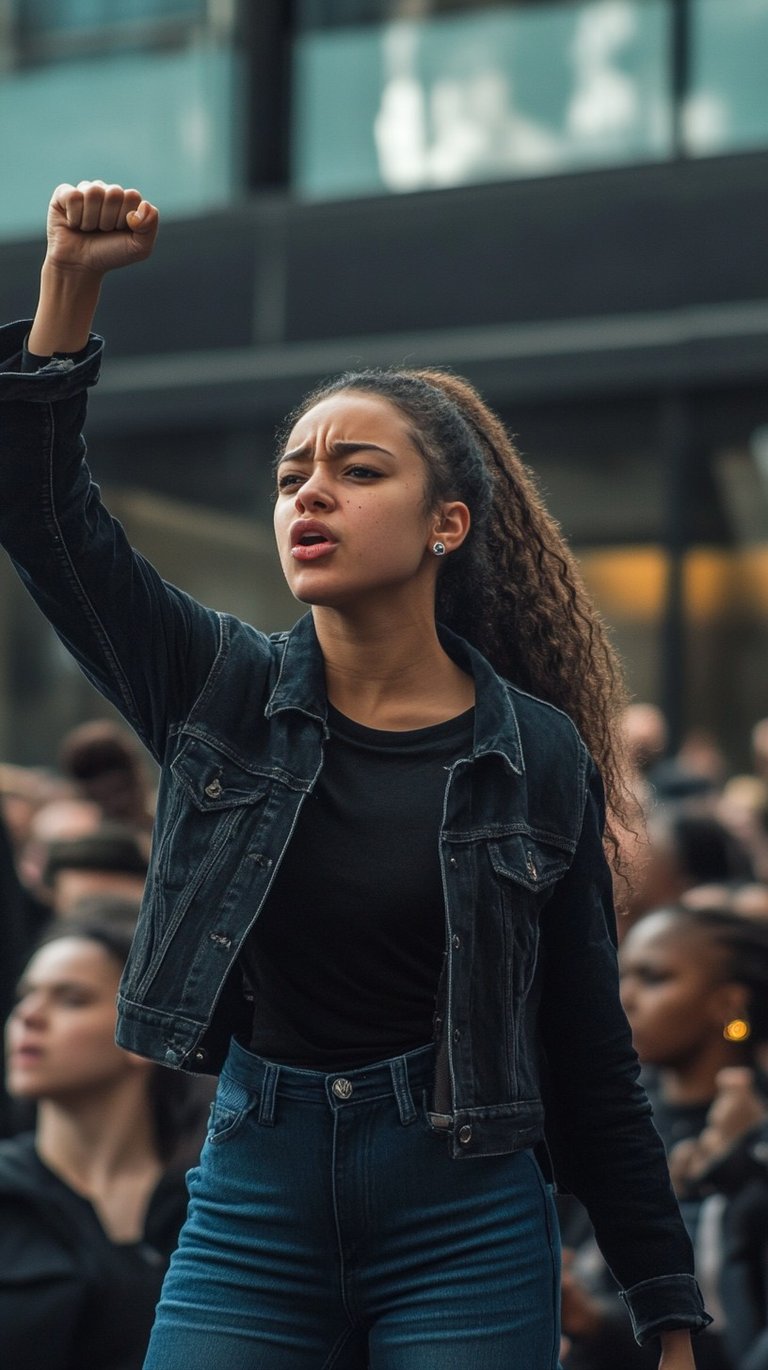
(90, 1206)
(378, 902)
(694, 984)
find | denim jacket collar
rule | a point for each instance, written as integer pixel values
(301, 685)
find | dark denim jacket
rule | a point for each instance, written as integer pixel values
(528, 1019)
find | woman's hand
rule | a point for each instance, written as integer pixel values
(676, 1351)
(95, 227)
(92, 228)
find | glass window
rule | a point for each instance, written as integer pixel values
(727, 107)
(48, 30)
(482, 94)
(163, 121)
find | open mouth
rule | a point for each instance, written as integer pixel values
(311, 541)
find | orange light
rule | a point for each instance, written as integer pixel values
(737, 1030)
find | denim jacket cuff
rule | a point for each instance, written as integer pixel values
(669, 1303)
(58, 379)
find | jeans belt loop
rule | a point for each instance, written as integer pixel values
(268, 1090)
(402, 1088)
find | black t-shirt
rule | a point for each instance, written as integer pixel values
(345, 957)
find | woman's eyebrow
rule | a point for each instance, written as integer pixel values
(344, 448)
(340, 447)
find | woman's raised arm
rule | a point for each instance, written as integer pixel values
(92, 228)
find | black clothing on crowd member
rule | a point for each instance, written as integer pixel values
(70, 1297)
(349, 950)
(21, 918)
(741, 1176)
(613, 1345)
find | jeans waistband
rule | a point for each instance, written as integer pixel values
(403, 1077)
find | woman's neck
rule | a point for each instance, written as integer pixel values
(695, 1081)
(90, 1139)
(390, 674)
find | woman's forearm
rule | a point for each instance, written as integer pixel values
(67, 304)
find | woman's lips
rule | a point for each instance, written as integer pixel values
(24, 1055)
(312, 551)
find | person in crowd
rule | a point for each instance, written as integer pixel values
(63, 819)
(20, 922)
(111, 860)
(759, 743)
(695, 988)
(686, 847)
(645, 734)
(103, 760)
(743, 809)
(428, 979)
(23, 792)
(90, 1203)
(749, 898)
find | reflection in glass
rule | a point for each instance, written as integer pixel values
(727, 108)
(481, 95)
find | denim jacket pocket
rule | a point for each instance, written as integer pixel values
(211, 796)
(208, 806)
(525, 870)
(529, 861)
(214, 779)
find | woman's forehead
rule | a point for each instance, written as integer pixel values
(68, 956)
(350, 414)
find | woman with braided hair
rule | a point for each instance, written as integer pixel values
(378, 905)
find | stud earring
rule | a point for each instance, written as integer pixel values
(737, 1030)
(439, 549)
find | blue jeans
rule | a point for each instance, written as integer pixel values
(329, 1227)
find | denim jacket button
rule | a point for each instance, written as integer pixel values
(214, 790)
(465, 1134)
(457, 1034)
(452, 862)
(456, 941)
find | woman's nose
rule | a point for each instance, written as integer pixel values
(29, 1009)
(314, 494)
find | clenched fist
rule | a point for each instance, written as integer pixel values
(92, 228)
(95, 227)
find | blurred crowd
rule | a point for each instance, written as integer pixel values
(693, 956)
(96, 1142)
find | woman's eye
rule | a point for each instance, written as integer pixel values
(362, 472)
(289, 480)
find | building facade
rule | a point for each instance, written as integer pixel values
(563, 200)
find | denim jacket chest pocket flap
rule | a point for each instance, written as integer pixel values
(215, 780)
(530, 861)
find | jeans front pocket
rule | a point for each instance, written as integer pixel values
(229, 1110)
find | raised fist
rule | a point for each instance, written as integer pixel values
(95, 227)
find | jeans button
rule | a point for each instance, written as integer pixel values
(342, 1088)
(465, 1134)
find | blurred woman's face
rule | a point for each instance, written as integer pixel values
(60, 1037)
(671, 989)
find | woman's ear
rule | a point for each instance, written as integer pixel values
(730, 1002)
(451, 525)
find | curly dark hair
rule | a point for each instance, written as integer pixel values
(513, 589)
